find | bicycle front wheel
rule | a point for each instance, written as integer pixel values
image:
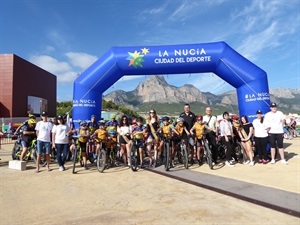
(185, 157)
(16, 151)
(133, 157)
(75, 153)
(101, 160)
(167, 156)
(208, 155)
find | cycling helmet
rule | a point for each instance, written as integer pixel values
(31, 116)
(180, 120)
(32, 121)
(101, 123)
(112, 132)
(199, 117)
(234, 117)
(113, 116)
(83, 122)
(165, 118)
(93, 116)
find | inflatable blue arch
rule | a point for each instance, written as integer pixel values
(219, 58)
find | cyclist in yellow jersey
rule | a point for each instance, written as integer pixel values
(100, 135)
(199, 129)
(82, 140)
(167, 130)
(179, 128)
(138, 132)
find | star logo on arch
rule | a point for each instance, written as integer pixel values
(137, 58)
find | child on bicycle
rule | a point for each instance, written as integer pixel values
(199, 127)
(82, 140)
(178, 131)
(28, 135)
(138, 133)
(100, 136)
(167, 130)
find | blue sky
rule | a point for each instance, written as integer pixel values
(65, 37)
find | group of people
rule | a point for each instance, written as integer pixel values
(150, 132)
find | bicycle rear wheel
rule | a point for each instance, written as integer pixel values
(239, 152)
(167, 156)
(185, 157)
(134, 157)
(101, 160)
(75, 153)
(208, 155)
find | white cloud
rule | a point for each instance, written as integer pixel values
(63, 70)
(80, 59)
(50, 64)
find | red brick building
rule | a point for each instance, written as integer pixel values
(25, 87)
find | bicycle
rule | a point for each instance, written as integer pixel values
(166, 151)
(207, 152)
(134, 155)
(105, 157)
(77, 154)
(182, 154)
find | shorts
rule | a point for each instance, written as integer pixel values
(25, 144)
(82, 146)
(122, 140)
(43, 147)
(199, 142)
(276, 138)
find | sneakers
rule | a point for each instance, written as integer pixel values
(199, 162)
(246, 162)
(61, 168)
(251, 163)
(272, 161)
(283, 161)
(260, 161)
(228, 163)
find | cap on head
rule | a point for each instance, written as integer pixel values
(113, 116)
(259, 112)
(273, 104)
(44, 114)
(59, 118)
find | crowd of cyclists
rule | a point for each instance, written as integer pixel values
(150, 133)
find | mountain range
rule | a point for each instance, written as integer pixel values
(156, 93)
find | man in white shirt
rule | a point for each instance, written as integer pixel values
(274, 121)
(43, 132)
(212, 123)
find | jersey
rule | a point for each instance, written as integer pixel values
(81, 138)
(167, 130)
(92, 126)
(199, 130)
(179, 129)
(112, 125)
(26, 137)
(101, 135)
(138, 136)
